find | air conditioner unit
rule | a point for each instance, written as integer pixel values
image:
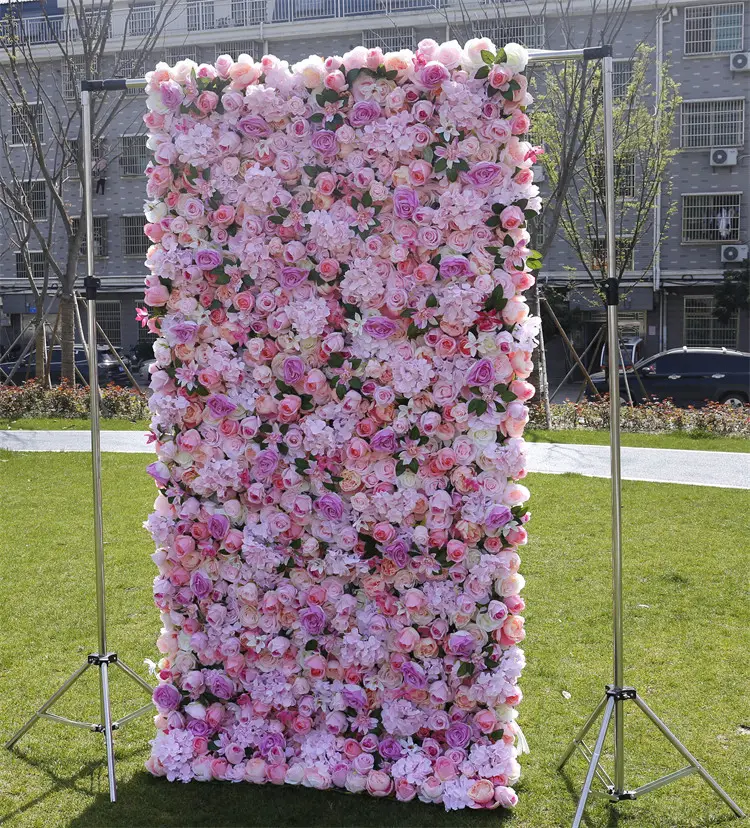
(721, 157)
(538, 171)
(731, 253)
(739, 62)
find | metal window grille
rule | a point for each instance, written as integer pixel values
(714, 29)
(109, 317)
(703, 329)
(624, 253)
(622, 75)
(248, 13)
(706, 124)
(711, 217)
(528, 31)
(134, 241)
(98, 151)
(200, 15)
(392, 39)
(131, 63)
(177, 53)
(235, 48)
(74, 68)
(624, 175)
(101, 245)
(141, 19)
(91, 23)
(134, 155)
(20, 120)
(36, 264)
(35, 194)
(144, 334)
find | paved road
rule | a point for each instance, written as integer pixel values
(703, 468)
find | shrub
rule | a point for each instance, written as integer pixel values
(32, 399)
(655, 417)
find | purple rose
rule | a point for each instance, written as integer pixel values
(160, 472)
(497, 517)
(200, 584)
(269, 742)
(461, 644)
(354, 696)
(172, 94)
(166, 697)
(414, 675)
(458, 735)
(330, 506)
(183, 332)
(218, 526)
(198, 727)
(389, 748)
(363, 112)
(292, 276)
(265, 462)
(405, 201)
(379, 327)
(207, 259)
(324, 141)
(254, 126)
(433, 74)
(484, 174)
(220, 405)
(384, 440)
(481, 373)
(398, 552)
(454, 267)
(312, 619)
(294, 370)
(220, 684)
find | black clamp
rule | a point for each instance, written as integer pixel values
(97, 660)
(92, 285)
(620, 693)
(597, 52)
(611, 290)
(107, 85)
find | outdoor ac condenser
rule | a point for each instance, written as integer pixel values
(731, 253)
(721, 157)
(740, 62)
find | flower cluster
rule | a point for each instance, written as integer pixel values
(338, 260)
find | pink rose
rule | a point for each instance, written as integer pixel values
(379, 783)
(432, 75)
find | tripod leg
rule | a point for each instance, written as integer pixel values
(594, 761)
(581, 734)
(107, 726)
(677, 744)
(46, 706)
(132, 673)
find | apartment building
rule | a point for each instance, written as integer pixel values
(706, 45)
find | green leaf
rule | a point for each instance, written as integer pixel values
(413, 331)
(500, 57)
(222, 278)
(367, 199)
(488, 57)
(355, 383)
(493, 221)
(432, 301)
(310, 170)
(440, 165)
(307, 207)
(482, 72)
(477, 406)
(452, 174)
(276, 219)
(534, 264)
(341, 391)
(428, 154)
(336, 360)
(466, 669)
(317, 117)
(497, 208)
(352, 75)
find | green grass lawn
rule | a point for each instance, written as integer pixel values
(62, 424)
(687, 640)
(684, 440)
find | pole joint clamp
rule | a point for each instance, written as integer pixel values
(620, 693)
(92, 285)
(597, 52)
(97, 659)
(611, 289)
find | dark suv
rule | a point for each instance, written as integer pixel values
(687, 376)
(110, 369)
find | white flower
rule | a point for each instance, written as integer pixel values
(516, 56)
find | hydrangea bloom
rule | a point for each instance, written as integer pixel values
(339, 256)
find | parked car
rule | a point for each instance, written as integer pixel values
(110, 369)
(631, 348)
(687, 376)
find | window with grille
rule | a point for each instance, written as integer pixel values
(141, 19)
(177, 53)
(703, 329)
(131, 63)
(21, 119)
(623, 253)
(35, 194)
(248, 12)
(134, 155)
(101, 247)
(624, 175)
(109, 317)
(622, 75)
(98, 151)
(34, 261)
(528, 31)
(74, 68)
(714, 29)
(235, 48)
(711, 217)
(134, 240)
(706, 124)
(391, 39)
(200, 15)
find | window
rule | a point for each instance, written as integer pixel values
(100, 237)
(248, 12)
(74, 68)
(131, 63)
(35, 195)
(134, 241)
(536, 231)
(141, 19)
(702, 328)
(717, 123)
(21, 119)
(134, 155)
(528, 31)
(200, 15)
(235, 48)
(391, 39)
(108, 315)
(624, 175)
(177, 53)
(35, 259)
(98, 150)
(92, 24)
(623, 253)
(622, 75)
(713, 29)
(711, 217)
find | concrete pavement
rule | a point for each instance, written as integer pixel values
(722, 469)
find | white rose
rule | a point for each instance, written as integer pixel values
(449, 54)
(486, 622)
(487, 344)
(183, 69)
(312, 70)
(408, 479)
(483, 436)
(473, 49)
(196, 710)
(516, 57)
(154, 211)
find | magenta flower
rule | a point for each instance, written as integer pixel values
(405, 202)
(380, 327)
(330, 506)
(363, 112)
(166, 697)
(220, 405)
(481, 373)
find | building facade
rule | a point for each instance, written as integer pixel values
(707, 46)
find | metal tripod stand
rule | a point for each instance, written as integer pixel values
(103, 657)
(617, 693)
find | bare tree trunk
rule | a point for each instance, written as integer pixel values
(543, 379)
(40, 345)
(67, 336)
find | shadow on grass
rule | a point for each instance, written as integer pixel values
(145, 800)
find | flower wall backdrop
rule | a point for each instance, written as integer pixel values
(338, 261)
